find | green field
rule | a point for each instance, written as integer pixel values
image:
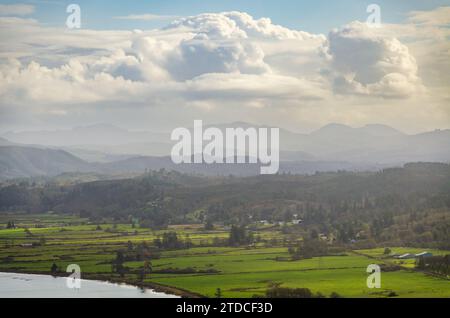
(238, 272)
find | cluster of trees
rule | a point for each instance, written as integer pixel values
(11, 225)
(170, 241)
(140, 252)
(117, 265)
(308, 248)
(283, 292)
(401, 206)
(239, 235)
(436, 264)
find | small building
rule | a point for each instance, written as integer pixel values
(407, 256)
(424, 254)
(297, 222)
(26, 245)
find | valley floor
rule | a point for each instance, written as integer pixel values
(200, 271)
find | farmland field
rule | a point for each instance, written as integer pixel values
(203, 268)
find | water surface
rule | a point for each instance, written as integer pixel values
(14, 285)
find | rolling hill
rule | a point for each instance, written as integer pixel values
(18, 162)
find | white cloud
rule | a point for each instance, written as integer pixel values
(201, 55)
(249, 87)
(437, 17)
(213, 44)
(16, 9)
(237, 25)
(367, 62)
(225, 64)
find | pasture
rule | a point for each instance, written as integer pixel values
(203, 268)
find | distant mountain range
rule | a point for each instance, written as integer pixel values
(100, 134)
(23, 162)
(109, 149)
(20, 162)
(98, 143)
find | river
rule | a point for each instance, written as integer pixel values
(14, 285)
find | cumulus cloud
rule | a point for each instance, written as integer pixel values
(366, 62)
(229, 61)
(237, 25)
(190, 51)
(72, 83)
(203, 56)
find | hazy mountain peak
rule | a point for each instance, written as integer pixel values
(333, 128)
(377, 130)
(241, 124)
(236, 124)
(380, 130)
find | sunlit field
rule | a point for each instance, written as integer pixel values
(203, 268)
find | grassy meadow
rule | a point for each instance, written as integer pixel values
(237, 271)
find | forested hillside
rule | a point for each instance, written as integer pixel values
(409, 205)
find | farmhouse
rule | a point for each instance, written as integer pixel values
(411, 256)
(424, 254)
(407, 256)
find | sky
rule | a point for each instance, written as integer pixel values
(318, 16)
(157, 65)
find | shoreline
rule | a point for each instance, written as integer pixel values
(159, 288)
